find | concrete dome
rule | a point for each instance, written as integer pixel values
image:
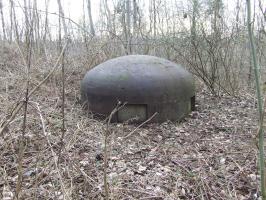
(148, 84)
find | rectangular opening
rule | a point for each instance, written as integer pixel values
(192, 103)
(132, 113)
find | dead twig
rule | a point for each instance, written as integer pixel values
(22, 145)
(107, 133)
(132, 132)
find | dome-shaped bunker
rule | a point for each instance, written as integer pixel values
(148, 84)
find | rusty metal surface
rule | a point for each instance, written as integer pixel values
(165, 87)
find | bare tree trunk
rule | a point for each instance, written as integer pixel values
(217, 17)
(154, 19)
(128, 22)
(108, 16)
(92, 30)
(193, 27)
(84, 33)
(22, 139)
(11, 21)
(167, 19)
(3, 20)
(152, 16)
(36, 26)
(62, 16)
(124, 25)
(135, 12)
(15, 21)
(27, 18)
(46, 21)
(63, 81)
(260, 103)
(46, 29)
(114, 22)
(237, 15)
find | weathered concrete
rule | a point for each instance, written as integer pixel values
(147, 83)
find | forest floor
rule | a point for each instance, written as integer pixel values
(209, 155)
